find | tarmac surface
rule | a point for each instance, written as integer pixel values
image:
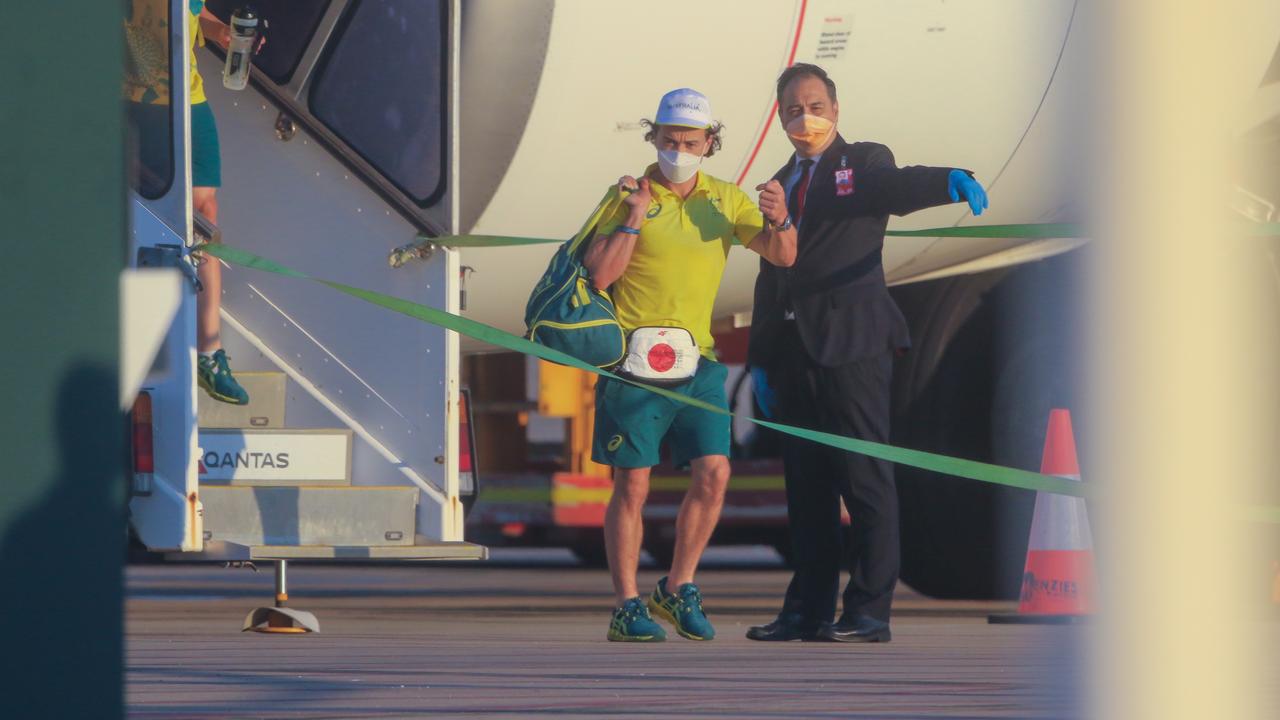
(523, 635)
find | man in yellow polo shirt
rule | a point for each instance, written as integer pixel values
(662, 256)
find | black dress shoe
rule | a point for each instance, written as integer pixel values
(787, 626)
(856, 629)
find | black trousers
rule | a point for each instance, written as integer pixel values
(851, 400)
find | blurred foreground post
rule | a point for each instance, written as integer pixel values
(62, 436)
(1185, 366)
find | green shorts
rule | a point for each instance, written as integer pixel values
(206, 156)
(632, 423)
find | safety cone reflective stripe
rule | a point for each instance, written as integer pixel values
(1059, 580)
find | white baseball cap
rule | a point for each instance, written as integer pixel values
(685, 107)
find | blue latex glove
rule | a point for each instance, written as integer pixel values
(765, 398)
(961, 185)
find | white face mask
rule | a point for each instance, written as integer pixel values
(677, 166)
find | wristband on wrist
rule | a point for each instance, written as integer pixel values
(627, 229)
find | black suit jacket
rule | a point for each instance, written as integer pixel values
(836, 288)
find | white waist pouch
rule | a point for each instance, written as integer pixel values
(660, 356)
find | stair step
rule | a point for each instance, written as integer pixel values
(333, 516)
(275, 457)
(265, 409)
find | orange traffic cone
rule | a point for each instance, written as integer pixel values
(1058, 581)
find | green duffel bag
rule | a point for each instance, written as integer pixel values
(566, 312)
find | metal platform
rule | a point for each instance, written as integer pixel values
(423, 549)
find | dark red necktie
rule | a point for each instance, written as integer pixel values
(795, 205)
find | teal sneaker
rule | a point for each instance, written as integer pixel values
(214, 375)
(683, 610)
(632, 623)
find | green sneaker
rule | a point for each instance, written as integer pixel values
(214, 376)
(683, 610)
(632, 623)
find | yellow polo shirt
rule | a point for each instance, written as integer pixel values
(679, 258)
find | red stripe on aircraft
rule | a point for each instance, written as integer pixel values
(795, 44)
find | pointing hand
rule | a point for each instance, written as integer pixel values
(962, 185)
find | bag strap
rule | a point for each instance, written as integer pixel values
(608, 205)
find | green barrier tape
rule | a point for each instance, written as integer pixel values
(1026, 232)
(970, 469)
(484, 241)
(984, 472)
(1264, 229)
(1031, 231)
(1264, 514)
(1035, 231)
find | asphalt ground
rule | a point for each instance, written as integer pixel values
(523, 635)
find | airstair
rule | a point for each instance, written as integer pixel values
(275, 493)
(368, 464)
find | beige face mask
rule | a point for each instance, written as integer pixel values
(810, 132)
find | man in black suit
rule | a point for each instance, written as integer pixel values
(823, 336)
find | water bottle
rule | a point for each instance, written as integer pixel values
(244, 37)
